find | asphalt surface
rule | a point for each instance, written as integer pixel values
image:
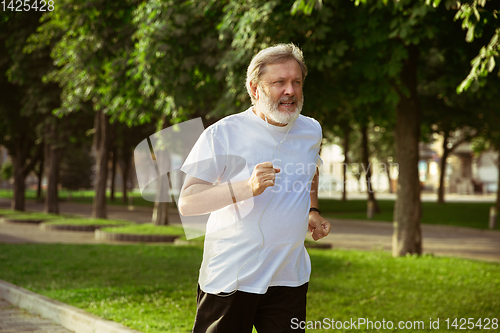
(15, 320)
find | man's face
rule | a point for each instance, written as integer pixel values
(279, 94)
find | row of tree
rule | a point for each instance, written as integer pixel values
(394, 65)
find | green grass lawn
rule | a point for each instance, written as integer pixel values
(462, 214)
(9, 212)
(152, 288)
(33, 216)
(147, 229)
(87, 221)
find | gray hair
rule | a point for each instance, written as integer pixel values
(273, 55)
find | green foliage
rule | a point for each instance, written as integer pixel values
(136, 61)
(92, 44)
(457, 118)
(175, 56)
(23, 93)
(479, 18)
(26, 100)
(306, 6)
(6, 170)
(382, 142)
(488, 137)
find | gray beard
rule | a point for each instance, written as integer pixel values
(271, 111)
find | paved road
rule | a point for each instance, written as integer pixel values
(437, 240)
(14, 320)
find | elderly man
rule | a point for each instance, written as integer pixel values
(255, 269)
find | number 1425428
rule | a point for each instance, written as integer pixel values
(27, 5)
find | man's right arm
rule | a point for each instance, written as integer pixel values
(200, 197)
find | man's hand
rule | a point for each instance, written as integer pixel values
(318, 226)
(263, 176)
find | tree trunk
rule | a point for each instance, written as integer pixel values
(407, 237)
(40, 178)
(125, 168)
(101, 172)
(498, 184)
(22, 167)
(53, 156)
(19, 185)
(97, 130)
(442, 170)
(368, 171)
(347, 133)
(388, 171)
(160, 213)
(113, 173)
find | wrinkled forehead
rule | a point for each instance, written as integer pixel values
(287, 69)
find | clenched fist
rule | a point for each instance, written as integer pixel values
(263, 176)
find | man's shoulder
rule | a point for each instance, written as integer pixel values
(228, 122)
(309, 123)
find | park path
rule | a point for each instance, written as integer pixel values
(15, 320)
(346, 234)
(437, 240)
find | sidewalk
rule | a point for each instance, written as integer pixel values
(437, 240)
(14, 320)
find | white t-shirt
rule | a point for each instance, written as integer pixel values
(266, 246)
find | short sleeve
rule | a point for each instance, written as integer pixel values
(319, 161)
(207, 159)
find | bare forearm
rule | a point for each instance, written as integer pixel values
(314, 190)
(200, 199)
(318, 226)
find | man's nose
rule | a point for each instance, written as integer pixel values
(289, 89)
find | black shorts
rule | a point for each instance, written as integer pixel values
(271, 312)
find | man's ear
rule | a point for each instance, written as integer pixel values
(255, 91)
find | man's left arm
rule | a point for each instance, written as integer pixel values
(318, 226)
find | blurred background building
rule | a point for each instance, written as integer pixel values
(465, 172)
